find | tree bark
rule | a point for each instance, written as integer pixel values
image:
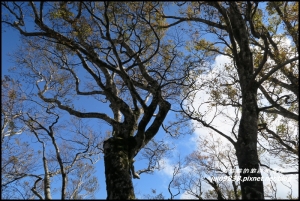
(246, 149)
(246, 145)
(117, 169)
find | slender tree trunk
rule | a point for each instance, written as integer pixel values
(117, 170)
(47, 186)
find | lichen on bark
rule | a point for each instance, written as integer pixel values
(117, 169)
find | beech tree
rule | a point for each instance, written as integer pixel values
(113, 53)
(281, 91)
(215, 160)
(12, 107)
(206, 173)
(17, 156)
(30, 171)
(119, 57)
(239, 31)
(44, 151)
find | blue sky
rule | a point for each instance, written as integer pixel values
(10, 40)
(160, 179)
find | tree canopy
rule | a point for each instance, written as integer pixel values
(129, 65)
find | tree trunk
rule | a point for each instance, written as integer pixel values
(117, 170)
(47, 185)
(246, 145)
(246, 148)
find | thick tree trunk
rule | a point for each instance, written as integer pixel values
(246, 146)
(117, 170)
(246, 149)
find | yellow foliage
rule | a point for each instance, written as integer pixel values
(12, 94)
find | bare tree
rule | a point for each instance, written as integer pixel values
(45, 149)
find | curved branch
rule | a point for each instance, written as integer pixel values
(77, 113)
(264, 60)
(33, 189)
(216, 188)
(291, 87)
(278, 138)
(276, 68)
(281, 110)
(287, 23)
(193, 19)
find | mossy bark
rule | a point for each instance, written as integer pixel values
(117, 170)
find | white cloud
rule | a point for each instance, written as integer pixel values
(167, 167)
(284, 183)
(221, 60)
(185, 195)
(225, 125)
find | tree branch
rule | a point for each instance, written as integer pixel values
(276, 68)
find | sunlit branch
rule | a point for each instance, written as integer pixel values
(77, 113)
